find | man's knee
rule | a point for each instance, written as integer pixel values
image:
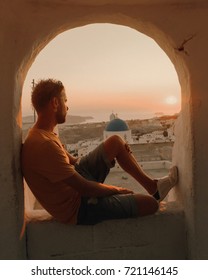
(115, 139)
(146, 204)
(116, 146)
(114, 143)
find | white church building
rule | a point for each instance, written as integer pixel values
(117, 126)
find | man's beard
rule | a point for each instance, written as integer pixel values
(60, 117)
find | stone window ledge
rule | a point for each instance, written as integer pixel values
(150, 237)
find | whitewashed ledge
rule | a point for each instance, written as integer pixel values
(159, 236)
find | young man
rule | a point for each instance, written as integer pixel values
(72, 189)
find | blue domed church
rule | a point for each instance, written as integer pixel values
(117, 126)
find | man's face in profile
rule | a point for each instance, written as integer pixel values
(62, 108)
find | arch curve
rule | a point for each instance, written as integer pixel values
(28, 26)
(144, 19)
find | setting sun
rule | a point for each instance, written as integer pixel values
(102, 73)
(171, 100)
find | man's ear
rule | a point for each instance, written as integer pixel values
(55, 103)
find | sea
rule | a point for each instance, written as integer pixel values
(105, 117)
(97, 117)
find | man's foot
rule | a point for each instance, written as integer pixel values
(165, 184)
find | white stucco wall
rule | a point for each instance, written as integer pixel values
(180, 29)
(144, 238)
(125, 135)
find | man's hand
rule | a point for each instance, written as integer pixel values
(122, 190)
(91, 188)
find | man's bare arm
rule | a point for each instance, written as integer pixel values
(93, 189)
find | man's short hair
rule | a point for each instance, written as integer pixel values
(44, 91)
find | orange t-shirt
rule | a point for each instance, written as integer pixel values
(45, 166)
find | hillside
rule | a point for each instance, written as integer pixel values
(69, 119)
(70, 134)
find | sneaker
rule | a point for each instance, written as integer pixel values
(165, 184)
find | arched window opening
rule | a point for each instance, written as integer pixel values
(107, 70)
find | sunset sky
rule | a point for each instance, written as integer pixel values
(107, 68)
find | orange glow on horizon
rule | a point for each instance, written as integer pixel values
(124, 102)
(116, 68)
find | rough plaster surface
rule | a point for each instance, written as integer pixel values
(179, 28)
(152, 237)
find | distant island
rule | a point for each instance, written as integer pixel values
(69, 119)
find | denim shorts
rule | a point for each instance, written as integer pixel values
(95, 167)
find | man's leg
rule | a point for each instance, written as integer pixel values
(116, 207)
(146, 204)
(115, 147)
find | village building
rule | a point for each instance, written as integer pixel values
(119, 127)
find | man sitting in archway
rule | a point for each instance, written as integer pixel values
(72, 189)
